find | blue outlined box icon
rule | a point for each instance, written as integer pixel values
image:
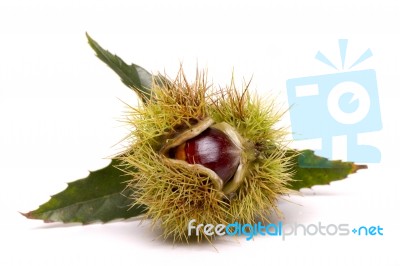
(338, 104)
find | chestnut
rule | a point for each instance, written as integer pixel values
(212, 149)
(206, 153)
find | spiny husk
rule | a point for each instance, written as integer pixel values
(176, 192)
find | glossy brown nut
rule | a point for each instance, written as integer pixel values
(212, 149)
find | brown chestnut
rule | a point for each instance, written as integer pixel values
(213, 149)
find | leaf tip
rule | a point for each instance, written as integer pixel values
(32, 215)
(356, 167)
(27, 215)
(91, 42)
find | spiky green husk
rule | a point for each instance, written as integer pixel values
(176, 192)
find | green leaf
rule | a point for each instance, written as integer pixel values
(102, 196)
(311, 170)
(133, 76)
(99, 197)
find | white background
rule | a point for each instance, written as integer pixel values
(59, 111)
